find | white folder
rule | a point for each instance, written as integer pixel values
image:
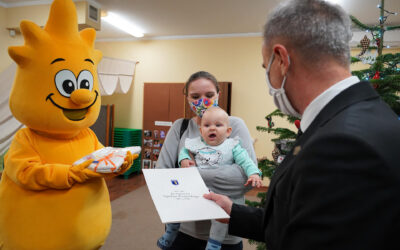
(178, 193)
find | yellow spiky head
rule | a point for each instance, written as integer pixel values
(56, 88)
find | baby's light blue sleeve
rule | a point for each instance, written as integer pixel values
(184, 154)
(243, 159)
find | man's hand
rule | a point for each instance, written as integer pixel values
(255, 181)
(185, 163)
(223, 201)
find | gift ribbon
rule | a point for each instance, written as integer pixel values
(107, 159)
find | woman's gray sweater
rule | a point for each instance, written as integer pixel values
(227, 180)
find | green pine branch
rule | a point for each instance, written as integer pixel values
(369, 48)
(267, 167)
(363, 26)
(283, 133)
(260, 245)
(355, 59)
(278, 113)
(393, 27)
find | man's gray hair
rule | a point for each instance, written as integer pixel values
(313, 28)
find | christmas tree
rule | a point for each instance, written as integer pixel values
(383, 73)
(384, 70)
(284, 141)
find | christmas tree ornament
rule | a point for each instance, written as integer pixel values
(270, 123)
(297, 123)
(364, 45)
(276, 153)
(280, 159)
(376, 76)
(378, 42)
(369, 58)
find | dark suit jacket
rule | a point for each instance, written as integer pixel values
(339, 188)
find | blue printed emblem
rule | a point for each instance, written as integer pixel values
(174, 182)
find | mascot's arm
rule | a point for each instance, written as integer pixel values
(24, 166)
(127, 162)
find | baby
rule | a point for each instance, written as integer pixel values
(212, 150)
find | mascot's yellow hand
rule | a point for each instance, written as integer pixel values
(79, 173)
(128, 162)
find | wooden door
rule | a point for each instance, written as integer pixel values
(163, 103)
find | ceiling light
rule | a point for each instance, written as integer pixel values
(339, 2)
(122, 24)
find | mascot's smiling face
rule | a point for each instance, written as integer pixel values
(74, 93)
(56, 87)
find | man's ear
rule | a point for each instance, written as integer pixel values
(229, 131)
(282, 57)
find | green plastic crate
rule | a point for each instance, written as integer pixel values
(134, 168)
(127, 137)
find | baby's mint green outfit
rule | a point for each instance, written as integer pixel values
(226, 153)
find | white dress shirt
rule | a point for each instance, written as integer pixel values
(323, 99)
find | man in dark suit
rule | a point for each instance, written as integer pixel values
(339, 187)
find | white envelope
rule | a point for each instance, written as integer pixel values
(177, 194)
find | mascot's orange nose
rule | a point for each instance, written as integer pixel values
(82, 96)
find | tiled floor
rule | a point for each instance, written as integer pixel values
(119, 186)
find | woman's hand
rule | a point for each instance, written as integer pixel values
(185, 163)
(255, 181)
(223, 201)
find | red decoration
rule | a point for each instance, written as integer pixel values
(376, 76)
(297, 123)
(378, 42)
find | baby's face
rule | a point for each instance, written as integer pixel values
(214, 128)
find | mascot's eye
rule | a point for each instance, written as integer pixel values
(65, 82)
(85, 80)
(84, 84)
(68, 86)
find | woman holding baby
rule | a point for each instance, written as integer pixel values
(231, 171)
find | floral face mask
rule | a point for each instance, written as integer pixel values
(201, 105)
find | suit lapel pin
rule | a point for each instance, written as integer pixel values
(296, 150)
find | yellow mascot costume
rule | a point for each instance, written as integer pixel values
(46, 202)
